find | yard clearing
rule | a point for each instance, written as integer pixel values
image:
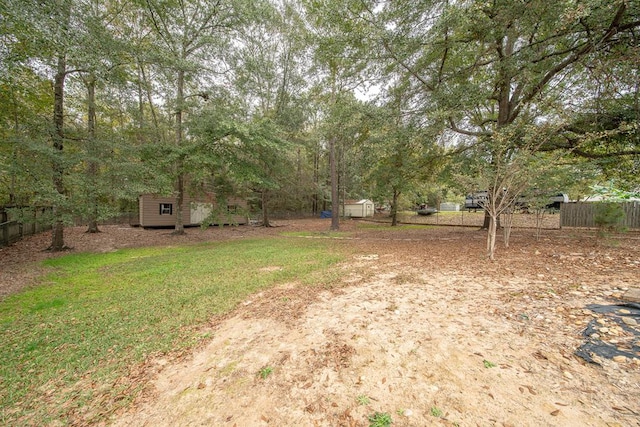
(420, 326)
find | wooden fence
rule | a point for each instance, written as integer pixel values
(582, 214)
(12, 230)
(37, 220)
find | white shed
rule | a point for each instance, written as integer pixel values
(358, 208)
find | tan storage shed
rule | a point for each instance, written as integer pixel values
(157, 211)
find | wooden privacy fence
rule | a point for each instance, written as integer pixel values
(12, 230)
(37, 220)
(582, 214)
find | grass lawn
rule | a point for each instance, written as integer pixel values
(68, 341)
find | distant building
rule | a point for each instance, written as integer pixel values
(358, 208)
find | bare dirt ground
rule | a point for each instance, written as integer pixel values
(421, 326)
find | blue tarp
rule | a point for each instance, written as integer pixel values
(325, 214)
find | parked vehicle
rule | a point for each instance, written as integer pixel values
(557, 200)
(424, 210)
(476, 201)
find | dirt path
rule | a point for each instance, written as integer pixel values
(421, 327)
(415, 331)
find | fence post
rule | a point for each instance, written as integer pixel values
(4, 228)
(562, 212)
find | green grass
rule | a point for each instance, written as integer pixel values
(363, 399)
(436, 412)
(67, 343)
(325, 234)
(488, 364)
(380, 419)
(265, 372)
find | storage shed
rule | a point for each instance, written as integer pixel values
(449, 207)
(157, 211)
(358, 208)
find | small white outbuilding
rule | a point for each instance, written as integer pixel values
(358, 208)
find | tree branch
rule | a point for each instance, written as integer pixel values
(574, 57)
(456, 129)
(590, 155)
(411, 71)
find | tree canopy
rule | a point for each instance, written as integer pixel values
(298, 106)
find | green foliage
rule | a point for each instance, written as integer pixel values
(380, 419)
(611, 193)
(363, 400)
(265, 89)
(399, 156)
(436, 412)
(265, 371)
(24, 167)
(484, 70)
(609, 217)
(488, 364)
(67, 341)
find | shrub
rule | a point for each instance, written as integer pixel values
(609, 218)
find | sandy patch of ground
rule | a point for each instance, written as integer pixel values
(421, 327)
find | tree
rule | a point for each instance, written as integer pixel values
(404, 153)
(338, 75)
(102, 56)
(63, 40)
(191, 35)
(608, 137)
(504, 168)
(26, 99)
(269, 79)
(44, 33)
(484, 66)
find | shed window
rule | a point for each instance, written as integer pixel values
(232, 209)
(166, 208)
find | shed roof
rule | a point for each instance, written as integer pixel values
(357, 202)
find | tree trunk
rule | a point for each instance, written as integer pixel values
(335, 204)
(316, 181)
(491, 239)
(141, 121)
(147, 87)
(394, 208)
(487, 221)
(12, 185)
(507, 222)
(92, 164)
(57, 233)
(504, 50)
(14, 152)
(265, 209)
(179, 227)
(539, 217)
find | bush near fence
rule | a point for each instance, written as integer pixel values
(582, 214)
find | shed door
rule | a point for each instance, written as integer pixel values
(199, 211)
